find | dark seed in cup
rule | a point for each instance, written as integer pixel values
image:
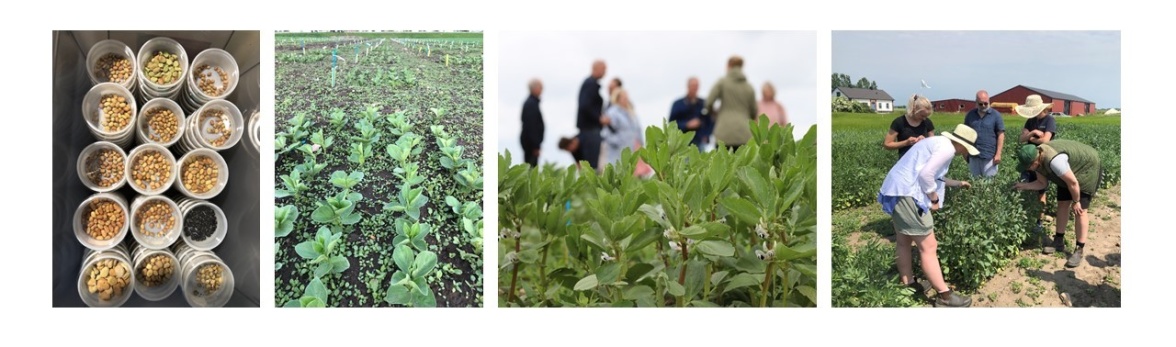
(200, 223)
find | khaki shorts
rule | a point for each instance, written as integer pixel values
(907, 219)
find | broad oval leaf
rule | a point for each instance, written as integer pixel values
(715, 248)
(424, 264)
(586, 283)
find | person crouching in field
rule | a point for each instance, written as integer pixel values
(1076, 171)
(912, 192)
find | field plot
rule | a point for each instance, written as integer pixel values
(378, 171)
(987, 245)
(720, 228)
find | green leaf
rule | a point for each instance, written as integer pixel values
(403, 257)
(637, 293)
(760, 189)
(424, 264)
(607, 274)
(306, 250)
(718, 277)
(351, 218)
(323, 214)
(802, 251)
(322, 269)
(656, 214)
(674, 288)
(311, 302)
(696, 232)
(808, 292)
(703, 303)
(424, 299)
(339, 264)
(743, 280)
(715, 248)
(586, 283)
(807, 269)
(742, 209)
(316, 289)
(293, 303)
(397, 295)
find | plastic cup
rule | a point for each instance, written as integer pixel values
(214, 58)
(164, 182)
(88, 163)
(154, 236)
(158, 291)
(93, 299)
(93, 114)
(143, 130)
(104, 48)
(218, 235)
(148, 50)
(199, 132)
(82, 214)
(222, 176)
(196, 264)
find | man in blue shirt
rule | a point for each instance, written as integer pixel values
(687, 113)
(589, 115)
(990, 136)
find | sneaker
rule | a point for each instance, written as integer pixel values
(1075, 259)
(954, 300)
(1058, 245)
(1046, 242)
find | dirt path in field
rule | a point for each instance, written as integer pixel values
(1036, 279)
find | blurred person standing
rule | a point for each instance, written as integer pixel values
(736, 106)
(533, 128)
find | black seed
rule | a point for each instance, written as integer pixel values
(200, 223)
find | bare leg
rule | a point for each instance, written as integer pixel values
(1063, 217)
(1081, 225)
(929, 259)
(903, 250)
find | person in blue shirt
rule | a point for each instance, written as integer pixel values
(990, 137)
(687, 114)
(589, 114)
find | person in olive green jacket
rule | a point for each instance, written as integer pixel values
(737, 106)
(1076, 171)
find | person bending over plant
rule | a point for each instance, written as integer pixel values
(911, 192)
(1076, 171)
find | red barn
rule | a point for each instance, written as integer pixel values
(1062, 102)
(953, 105)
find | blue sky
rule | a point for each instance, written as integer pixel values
(956, 64)
(654, 67)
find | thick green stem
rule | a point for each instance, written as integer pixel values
(682, 273)
(706, 283)
(514, 276)
(543, 274)
(767, 286)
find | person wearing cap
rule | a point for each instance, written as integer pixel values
(990, 132)
(911, 127)
(1040, 127)
(1076, 171)
(912, 191)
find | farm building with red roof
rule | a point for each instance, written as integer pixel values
(1061, 102)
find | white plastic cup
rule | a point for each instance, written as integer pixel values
(222, 175)
(214, 58)
(147, 51)
(87, 162)
(148, 238)
(92, 299)
(159, 291)
(81, 216)
(92, 112)
(192, 262)
(104, 48)
(197, 134)
(143, 128)
(165, 183)
(222, 224)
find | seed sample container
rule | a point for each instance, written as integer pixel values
(156, 221)
(157, 272)
(102, 166)
(161, 121)
(106, 279)
(101, 221)
(112, 61)
(203, 174)
(162, 65)
(206, 281)
(234, 208)
(205, 224)
(151, 169)
(110, 110)
(218, 125)
(214, 75)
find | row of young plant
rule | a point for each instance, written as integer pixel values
(719, 228)
(337, 215)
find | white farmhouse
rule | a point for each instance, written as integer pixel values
(877, 99)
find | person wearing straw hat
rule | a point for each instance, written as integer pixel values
(911, 192)
(990, 131)
(1040, 127)
(1076, 171)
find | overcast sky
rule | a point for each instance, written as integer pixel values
(956, 64)
(653, 66)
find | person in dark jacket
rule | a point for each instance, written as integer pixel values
(589, 114)
(687, 114)
(532, 135)
(1075, 170)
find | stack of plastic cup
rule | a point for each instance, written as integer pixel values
(201, 128)
(222, 173)
(199, 281)
(81, 218)
(164, 182)
(158, 291)
(92, 112)
(89, 259)
(88, 163)
(222, 224)
(143, 130)
(148, 88)
(155, 236)
(106, 47)
(193, 96)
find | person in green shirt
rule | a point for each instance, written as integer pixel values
(1076, 171)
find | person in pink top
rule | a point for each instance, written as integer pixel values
(768, 106)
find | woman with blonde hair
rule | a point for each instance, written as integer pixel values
(768, 106)
(911, 127)
(624, 130)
